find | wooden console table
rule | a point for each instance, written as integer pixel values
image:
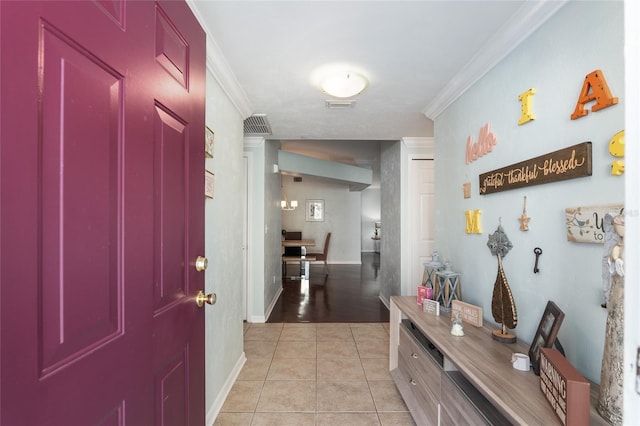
(448, 380)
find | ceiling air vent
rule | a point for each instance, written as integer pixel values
(341, 104)
(257, 124)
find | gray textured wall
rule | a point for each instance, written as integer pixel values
(391, 208)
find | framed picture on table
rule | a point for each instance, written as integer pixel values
(314, 211)
(546, 334)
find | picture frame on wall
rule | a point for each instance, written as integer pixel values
(208, 184)
(208, 142)
(546, 334)
(314, 211)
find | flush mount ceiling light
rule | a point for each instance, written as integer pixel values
(344, 84)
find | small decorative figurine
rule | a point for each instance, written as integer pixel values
(611, 240)
(611, 376)
(456, 328)
(503, 307)
(524, 219)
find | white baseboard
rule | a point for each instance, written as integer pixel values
(273, 303)
(257, 319)
(261, 319)
(212, 413)
(384, 300)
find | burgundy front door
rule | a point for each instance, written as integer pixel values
(101, 213)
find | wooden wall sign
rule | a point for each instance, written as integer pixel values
(586, 224)
(568, 163)
(467, 312)
(567, 392)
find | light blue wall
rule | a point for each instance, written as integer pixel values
(580, 38)
(223, 244)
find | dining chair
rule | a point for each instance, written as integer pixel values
(322, 257)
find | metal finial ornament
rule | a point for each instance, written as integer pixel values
(503, 307)
(524, 219)
(499, 243)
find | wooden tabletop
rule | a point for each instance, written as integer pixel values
(487, 364)
(298, 243)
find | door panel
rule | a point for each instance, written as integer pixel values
(101, 213)
(79, 118)
(170, 152)
(421, 174)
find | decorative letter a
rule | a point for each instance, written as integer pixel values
(595, 88)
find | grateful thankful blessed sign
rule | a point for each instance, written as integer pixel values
(568, 163)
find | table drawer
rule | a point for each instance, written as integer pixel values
(420, 361)
(412, 383)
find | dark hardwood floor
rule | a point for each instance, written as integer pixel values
(348, 294)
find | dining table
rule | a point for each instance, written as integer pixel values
(304, 260)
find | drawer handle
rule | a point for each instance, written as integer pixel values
(414, 355)
(413, 382)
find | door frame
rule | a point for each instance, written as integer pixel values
(247, 232)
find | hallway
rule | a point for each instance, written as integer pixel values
(315, 374)
(323, 357)
(348, 294)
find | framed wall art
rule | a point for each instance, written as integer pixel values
(546, 334)
(314, 211)
(208, 142)
(208, 184)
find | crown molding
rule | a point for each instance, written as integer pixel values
(418, 142)
(220, 69)
(529, 17)
(253, 141)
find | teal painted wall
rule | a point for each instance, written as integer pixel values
(580, 38)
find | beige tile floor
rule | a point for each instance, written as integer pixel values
(315, 374)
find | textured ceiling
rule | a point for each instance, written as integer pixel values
(418, 55)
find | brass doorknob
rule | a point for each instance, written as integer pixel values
(201, 263)
(202, 298)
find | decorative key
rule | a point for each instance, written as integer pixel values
(538, 252)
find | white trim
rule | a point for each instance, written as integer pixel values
(384, 300)
(219, 67)
(257, 319)
(214, 410)
(631, 414)
(418, 142)
(248, 290)
(273, 303)
(253, 141)
(530, 16)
